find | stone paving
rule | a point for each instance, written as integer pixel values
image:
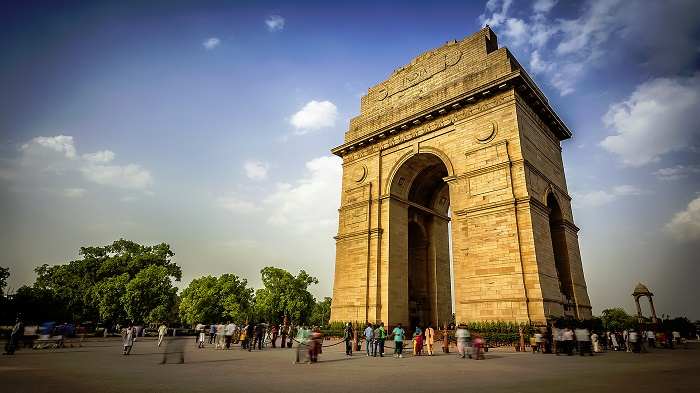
(98, 366)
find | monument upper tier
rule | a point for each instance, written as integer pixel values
(455, 74)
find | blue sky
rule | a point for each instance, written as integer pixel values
(208, 125)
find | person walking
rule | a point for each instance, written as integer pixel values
(17, 331)
(275, 333)
(162, 331)
(259, 334)
(379, 338)
(284, 330)
(200, 328)
(347, 338)
(539, 341)
(369, 338)
(128, 336)
(174, 348)
(250, 336)
(212, 333)
(398, 334)
(229, 330)
(462, 337)
(583, 340)
(568, 338)
(429, 339)
(595, 342)
(418, 342)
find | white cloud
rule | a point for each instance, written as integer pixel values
(256, 170)
(676, 172)
(537, 65)
(274, 23)
(603, 197)
(235, 204)
(685, 225)
(57, 155)
(59, 143)
(314, 115)
(211, 43)
(311, 204)
(574, 45)
(74, 192)
(129, 176)
(659, 117)
(102, 156)
(498, 10)
(543, 6)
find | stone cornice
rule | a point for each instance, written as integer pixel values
(517, 79)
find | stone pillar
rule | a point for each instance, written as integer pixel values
(653, 311)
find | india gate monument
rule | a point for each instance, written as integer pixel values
(456, 156)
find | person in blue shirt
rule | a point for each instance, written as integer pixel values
(369, 338)
(398, 333)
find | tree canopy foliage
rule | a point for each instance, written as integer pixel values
(4, 275)
(119, 281)
(210, 299)
(321, 314)
(617, 319)
(284, 294)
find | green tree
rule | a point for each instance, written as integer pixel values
(615, 319)
(211, 299)
(94, 287)
(321, 313)
(284, 294)
(150, 295)
(4, 275)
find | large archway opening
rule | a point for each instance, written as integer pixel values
(420, 241)
(561, 254)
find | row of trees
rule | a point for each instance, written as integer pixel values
(126, 281)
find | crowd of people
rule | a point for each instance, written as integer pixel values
(567, 340)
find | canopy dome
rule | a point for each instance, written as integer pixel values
(641, 289)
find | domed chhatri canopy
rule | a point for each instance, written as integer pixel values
(641, 290)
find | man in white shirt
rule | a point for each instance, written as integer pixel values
(162, 330)
(229, 329)
(584, 341)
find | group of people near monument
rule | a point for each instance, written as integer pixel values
(567, 340)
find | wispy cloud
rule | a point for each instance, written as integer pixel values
(677, 172)
(74, 192)
(274, 23)
(659, 117)
(599, 198)
(211, 43)
(563, 50)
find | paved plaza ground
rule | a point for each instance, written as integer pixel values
(98, 366)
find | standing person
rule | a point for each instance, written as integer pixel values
(651, 338)
(462, 337)
(284, 330)
(347, 337)
(259, 331)
(613, 341)
(626, 339)
(128, 336)
(398, 333)
(219, 337)
(162, 331)
(291, 332)
(478, 347)
(594, 341)
(250, 336)
(212, 333)
(302, 346)
(557, 339)
(275, 333)
(229, 330)
(568, 338)
(17, 331)
(200, 335)
(369, 338)
(634, 341)
(539, 341)
(418, 342)
(379, 338)
(584, 341)
(315, 344)
(430, 339)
